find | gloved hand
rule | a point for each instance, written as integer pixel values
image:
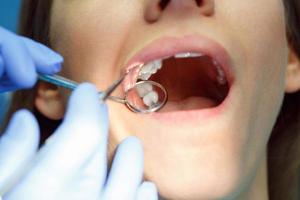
(73, 162)
(21, 59)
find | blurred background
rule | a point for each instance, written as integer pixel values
(9, 14)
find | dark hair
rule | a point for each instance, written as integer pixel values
(284, 144)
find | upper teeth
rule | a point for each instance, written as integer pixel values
(188, 55)
(152, 67)
(149, 69)
(221, 75)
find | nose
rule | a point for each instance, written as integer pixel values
(155, 9)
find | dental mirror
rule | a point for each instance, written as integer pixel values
(144, 97)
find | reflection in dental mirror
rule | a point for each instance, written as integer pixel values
(144, 97)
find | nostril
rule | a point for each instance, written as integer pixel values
(163, 4)
(199, 3)
(155, 8)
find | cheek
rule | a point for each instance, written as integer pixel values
(258, 29)
(90, 38)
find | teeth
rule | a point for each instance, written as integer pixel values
(144, 89)
(188, 55)
(151, 99)
(149, 69)
(145, 76)
(221, 80)
(221, 75)
(152, 67)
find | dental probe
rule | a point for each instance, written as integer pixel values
(69, 84)
(153, 101)
(59, 81)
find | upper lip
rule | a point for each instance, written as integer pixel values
(169, 46)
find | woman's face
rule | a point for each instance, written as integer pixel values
(195, 148)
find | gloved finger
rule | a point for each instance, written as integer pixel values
(7, 85)
(19, 66)
(46, 60)
(147, 191)
(17, 148)
(127, 171)
(83, 132)
(91, 176)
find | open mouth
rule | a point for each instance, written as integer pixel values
(193, 81)
(196, 71)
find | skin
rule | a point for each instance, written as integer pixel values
(216, 159)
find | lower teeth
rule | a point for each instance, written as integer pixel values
(144, 89)
(149, 96)
(151, 99)
(149, 69)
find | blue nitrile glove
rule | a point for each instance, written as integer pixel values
(73, 163)
(21, 59)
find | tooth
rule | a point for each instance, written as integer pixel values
(221, 80)
(158, 64)
(188, 55)
(221, 75)
(149, 69)
(216, 63)
(152, 66)
(151, 99)
(196, 55)
(146, 68)
(220, 71)
(144, 76)
(144, 89)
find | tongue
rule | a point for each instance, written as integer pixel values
(190, 103)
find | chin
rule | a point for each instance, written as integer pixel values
(211, 167)
(182, 182)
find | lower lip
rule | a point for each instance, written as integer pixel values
(190, 116)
